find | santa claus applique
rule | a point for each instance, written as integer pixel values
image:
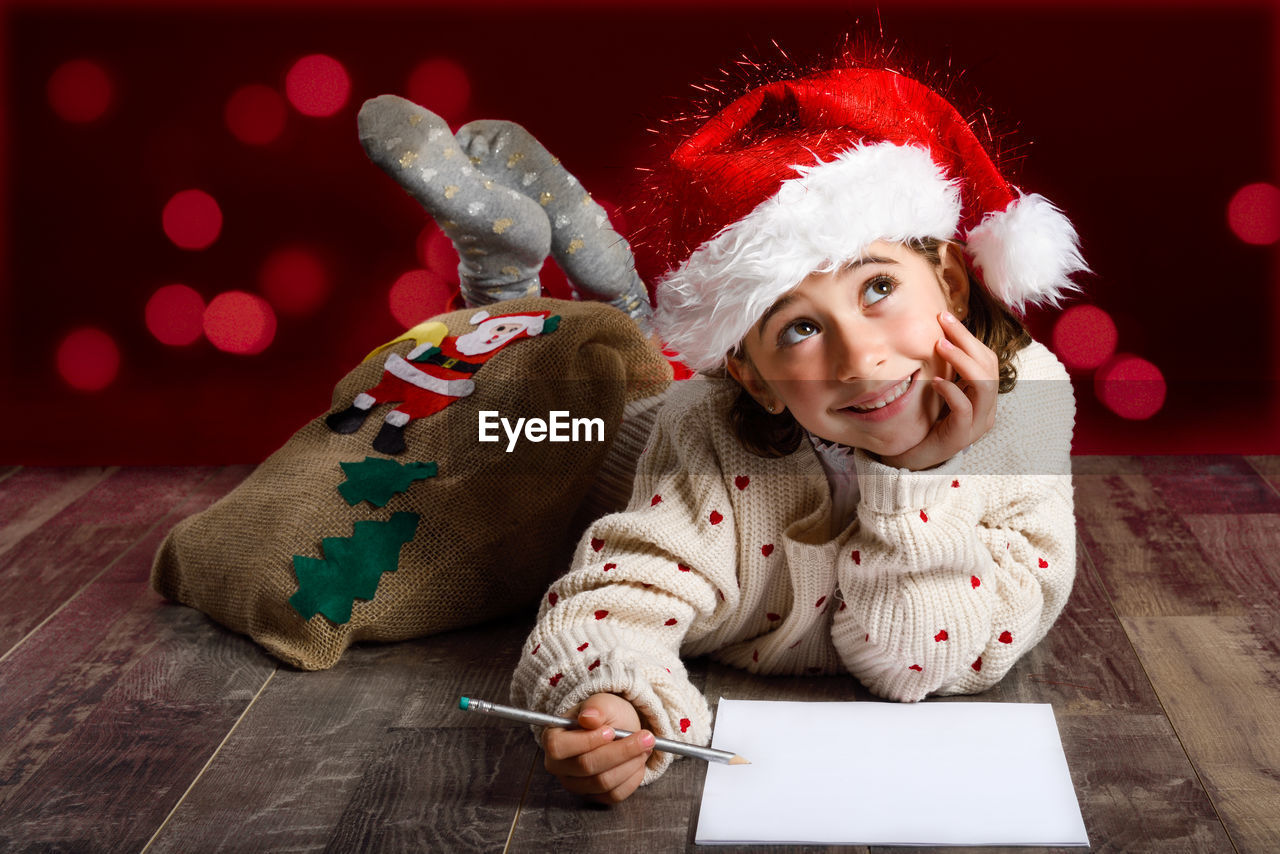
(431, 376)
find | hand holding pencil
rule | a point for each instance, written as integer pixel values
(602, 753)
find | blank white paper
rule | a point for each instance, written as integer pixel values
(890, 774)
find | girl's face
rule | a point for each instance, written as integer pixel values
(851, 353)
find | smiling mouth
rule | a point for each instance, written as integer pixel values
(893, 394)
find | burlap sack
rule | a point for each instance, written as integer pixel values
(493, 527)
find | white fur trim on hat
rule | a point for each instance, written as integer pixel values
(1026, 253)
(816, 222)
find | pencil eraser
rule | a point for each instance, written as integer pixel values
(463, 702)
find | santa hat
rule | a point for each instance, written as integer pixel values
(800, 176)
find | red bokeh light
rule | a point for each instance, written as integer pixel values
(192, 219)
(1254, 214)
(255, 114)
(79, 91)
(436, 252)
(239, 322)
(1084, 337)
(175, 315)
(88, 359)
(418, 295)
(317, 85)
(442, 86)
(295, 280)
(1131, 387)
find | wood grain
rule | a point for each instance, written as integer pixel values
(1220, 685)
(32, 497)
(1211, 484)
(47, 566)
(321, 754)
(112, 707)
(1149, 562)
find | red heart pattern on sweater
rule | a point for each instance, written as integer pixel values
(682, 568)
(924, 517)
(584, 646)
(766, 549)
(741, 481)
(955, 484)
(940, 636)
(715, 518)
(553, 598)
(597, 543)
(685, 723)
(917, 668)
(609, 566)
(671, 622)
(1005, 637)
(555, 680)
(772, 617)
(819, 603)
(593, 665)
(977, 665)
(975, 582)
(857, 557)
(657, 499)
(1044, 564)
(601, 614)
(535, 649)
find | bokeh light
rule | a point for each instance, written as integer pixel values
(79, 91)
(88, 359)
(442, 86)
(175, 315)
(1254, 214)
(1084, 337)
(239, 322)
(418, 295)
(295, 280)
(255, 114)
(1131, 387)
(317, 85)
(436, 252)
(192, 219)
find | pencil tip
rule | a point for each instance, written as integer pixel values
(738, 760)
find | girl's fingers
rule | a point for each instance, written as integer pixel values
(600, 759)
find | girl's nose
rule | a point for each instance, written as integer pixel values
(858, 351)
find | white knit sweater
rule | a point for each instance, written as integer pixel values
(944, 579)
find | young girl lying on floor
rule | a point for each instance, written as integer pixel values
(873, 476)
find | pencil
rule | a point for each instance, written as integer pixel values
(708, 754)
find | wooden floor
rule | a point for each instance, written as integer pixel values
(128, 723)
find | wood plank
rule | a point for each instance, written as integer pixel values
(50, 564)
(34, 496)
(112, 707)
(1149, 562)
(8, 471)
(319, 751)
(1210, 484)
(1246, 553)
(1220, 684)
(1269, 468)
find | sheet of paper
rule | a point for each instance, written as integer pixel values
(931, 773)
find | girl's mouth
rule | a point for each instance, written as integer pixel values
(887, 405)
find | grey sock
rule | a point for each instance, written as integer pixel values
(502, 236)
(596, 258)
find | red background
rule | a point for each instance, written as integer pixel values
(1140, 119)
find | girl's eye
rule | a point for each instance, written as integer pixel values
(796, 332)
(877, 289)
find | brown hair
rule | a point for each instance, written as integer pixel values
(990, 322)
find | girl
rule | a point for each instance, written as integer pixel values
(873, 473)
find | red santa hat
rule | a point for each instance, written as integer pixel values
(800, 176)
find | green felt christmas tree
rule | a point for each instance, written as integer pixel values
(377, 479)
(351, 567)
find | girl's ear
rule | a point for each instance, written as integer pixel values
(746, 375)
(953, 274)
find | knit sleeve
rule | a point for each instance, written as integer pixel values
(955, 572)
(642, 582)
